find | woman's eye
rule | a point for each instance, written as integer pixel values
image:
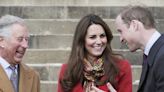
(92, 37)
(102, 35)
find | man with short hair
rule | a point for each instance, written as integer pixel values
(136, 26)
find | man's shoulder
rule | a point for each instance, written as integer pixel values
(162, 36)
(28, 68)
(159, 44)
(161, 41)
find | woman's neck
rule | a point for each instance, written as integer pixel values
(92, 59)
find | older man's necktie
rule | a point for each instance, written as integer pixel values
(14, 78)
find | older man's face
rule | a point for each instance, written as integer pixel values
(16, 44)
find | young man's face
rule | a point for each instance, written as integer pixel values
(128, 35)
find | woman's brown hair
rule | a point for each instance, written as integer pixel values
(74, 70)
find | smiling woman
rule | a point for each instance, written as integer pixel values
(95, 41)
(92, 65)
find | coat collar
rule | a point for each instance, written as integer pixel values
(25, 81)
(154, 50)
(5, 84)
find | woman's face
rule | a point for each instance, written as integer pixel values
(95, 41)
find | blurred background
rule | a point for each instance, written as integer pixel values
(52, 24)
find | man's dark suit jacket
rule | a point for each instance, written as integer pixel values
(152, 77)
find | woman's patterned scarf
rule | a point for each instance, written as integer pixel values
(93, 72)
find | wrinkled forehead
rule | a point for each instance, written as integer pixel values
(19, 30)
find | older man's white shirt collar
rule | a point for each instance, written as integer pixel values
(5, 65)
(151, 41)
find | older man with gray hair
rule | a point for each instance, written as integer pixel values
(14, 75)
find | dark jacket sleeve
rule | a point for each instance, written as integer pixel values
(159, 72)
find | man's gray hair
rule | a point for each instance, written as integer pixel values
(6, 23)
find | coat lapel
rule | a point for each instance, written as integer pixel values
(25, 82)
(144, 73)
(5, 84)
(150, 59)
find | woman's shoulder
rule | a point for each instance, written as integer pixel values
(124, 64)
(125, 69)
(62, 69)
(64, 65)
(121, 60)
